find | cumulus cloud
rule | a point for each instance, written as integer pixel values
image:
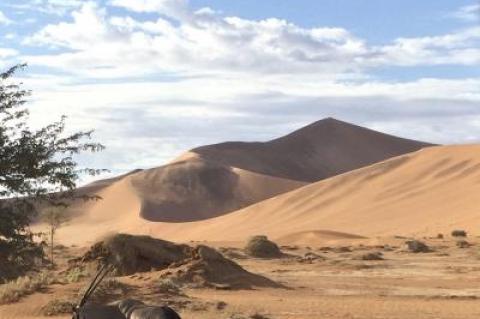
(4, 19)
(7, 52)
(470, 13)
(462, 47)
(173, 8)
(52, 7)
(96, 44)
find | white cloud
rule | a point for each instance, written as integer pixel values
(87, 29)
(53, 7)
(172, 8)
(97, 44)
(460, 48)
(7, 53)
(470, 13)
(4, 19)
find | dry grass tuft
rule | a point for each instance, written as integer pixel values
(14, 290)
(57, 307)
(108, 290)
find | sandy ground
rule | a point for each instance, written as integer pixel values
(441, 284)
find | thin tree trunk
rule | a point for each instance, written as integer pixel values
(51, 245)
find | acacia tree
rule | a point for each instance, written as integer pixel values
(54, 217)
(36, 165)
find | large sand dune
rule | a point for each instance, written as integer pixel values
(426, 192)
(214, 180)
(430, 191)
(320, 150)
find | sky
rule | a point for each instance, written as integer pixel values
(155, 78)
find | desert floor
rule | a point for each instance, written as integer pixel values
(444, 283)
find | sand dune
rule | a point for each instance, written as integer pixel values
(217, 179)
(196, 189)
(320, 150)
(423, 193)
(426, 192)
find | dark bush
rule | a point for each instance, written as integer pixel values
(416, 246)
(459, 233)
(261, 247)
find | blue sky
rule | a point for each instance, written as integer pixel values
(157, 77)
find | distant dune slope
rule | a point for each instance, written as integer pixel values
(214, 180)
(196, 189)
(423, 193)
(320, 150)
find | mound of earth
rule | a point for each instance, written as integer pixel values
(208, 268)
(131, 254)
(261, 247)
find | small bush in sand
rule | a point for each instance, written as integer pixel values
(58, 307)
(75, 274)
(416, 246)
(14, 290)
(108, 290)
(261, 247)
(168, 286)
(459, 233)
(440, 236)
(463, 244)
(372, 256)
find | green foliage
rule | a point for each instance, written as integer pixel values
(36, 165)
